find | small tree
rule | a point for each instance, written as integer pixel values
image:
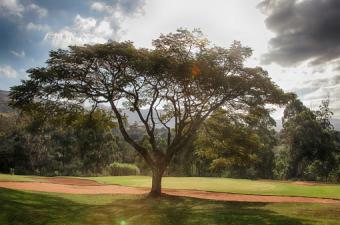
(182, 80)
(311, 139)
(239, 144)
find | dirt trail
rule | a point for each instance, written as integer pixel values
(83, 186)
(68, 181)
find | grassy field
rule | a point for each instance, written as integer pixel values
(8, 177)
(241, 186)
(18, 207)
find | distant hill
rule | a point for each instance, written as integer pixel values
(4, 101)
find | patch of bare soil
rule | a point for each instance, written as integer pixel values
(116, 189)
(304, 183)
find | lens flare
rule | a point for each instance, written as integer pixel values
(195, 71)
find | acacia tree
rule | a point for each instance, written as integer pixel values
(180, 81)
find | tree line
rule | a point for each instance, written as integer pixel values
(51, 140)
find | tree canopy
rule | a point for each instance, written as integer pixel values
(313, 144)
(239, 144)
(50, 139)
(181, 80)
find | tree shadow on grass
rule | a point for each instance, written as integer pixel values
(189, 211)
(19, 207)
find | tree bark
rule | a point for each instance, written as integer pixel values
(156, 189)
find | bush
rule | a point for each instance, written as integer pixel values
(313, 171)
(122, 169)
(334, 176)
(282, 162)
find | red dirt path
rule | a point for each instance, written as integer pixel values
(83, 186)
(68, 181)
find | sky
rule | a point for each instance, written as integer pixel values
(296, 41)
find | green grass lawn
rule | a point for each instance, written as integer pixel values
(241, 186)
(8, 177)
(18, 207)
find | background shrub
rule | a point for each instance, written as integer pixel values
(123, 169)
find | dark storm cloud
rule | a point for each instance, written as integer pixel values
(305, 30)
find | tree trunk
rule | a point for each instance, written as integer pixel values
(156, 189)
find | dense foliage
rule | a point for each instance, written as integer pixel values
(56, 140)
(310, 145)
(73, 141)
(238, 145)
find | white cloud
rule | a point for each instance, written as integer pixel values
(84, 30)
(37, 27)
(41, 12)
(11, 7)
(18, 54)
(8, 72)
(126, 7)
(89, 30)
(104, 29)
(99, 6)
(84, 24)
(15, 8)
